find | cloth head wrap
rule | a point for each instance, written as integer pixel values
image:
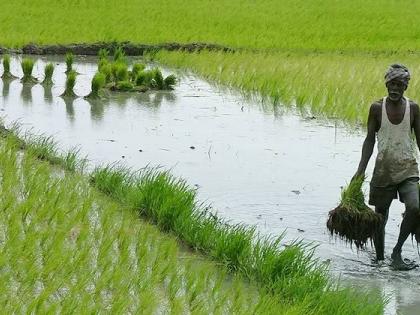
(397, 72)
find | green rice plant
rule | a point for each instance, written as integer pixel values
(353, 220)
(157, 81)
(98, 82)
(6, 68)
(103, 54)
(119, 55)
(144, 78)
(170, 82)
(70, 83)
(137, 68)
(106, 69)
(120, 71)
(125, 86)
(48, 73)
(27, 67)
(69, 62)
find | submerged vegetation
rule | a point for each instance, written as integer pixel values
(353, 220)
(27, 67)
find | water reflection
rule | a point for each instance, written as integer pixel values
(48, 97)
(97, 108)
(26, 93)
(69, 101)
(6, 87)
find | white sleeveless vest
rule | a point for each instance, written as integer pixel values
(396, 159)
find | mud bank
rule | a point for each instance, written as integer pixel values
(130, 49)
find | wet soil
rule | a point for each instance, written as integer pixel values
(130, 49)
(272, 168)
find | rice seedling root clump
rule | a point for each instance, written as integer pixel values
(98, 82)
(27, 67)
(70, 82)
(352, 220)
(48, 73)
(6, 68)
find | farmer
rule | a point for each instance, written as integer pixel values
(392, 120)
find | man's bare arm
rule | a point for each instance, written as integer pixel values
(416, 123)
(369, 143)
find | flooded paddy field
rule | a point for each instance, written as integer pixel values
(271, 168)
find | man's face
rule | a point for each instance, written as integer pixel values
(396, 90)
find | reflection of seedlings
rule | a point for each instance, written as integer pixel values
(70, 82)
(69, 107)
(27, 67)
(98, 82)
(69, 62)
(26, 93)
(97, 108)
(48, 73)
(6, 68)
(48, 93)
(6, 88)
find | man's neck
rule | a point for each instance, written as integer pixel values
(395, 103)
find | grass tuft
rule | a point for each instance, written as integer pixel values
(6, 68)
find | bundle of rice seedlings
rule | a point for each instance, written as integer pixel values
(124, 86)
(69, 62)
(144, 78)
(121, 72)
(103, 54)
(170, 82)
(27, 67)
(98, 82)
(106, 69)
(70, 82)
(137, 68)
(353, 221)
(119, 55)
(6, 68)
(48, 73)
(157, 81)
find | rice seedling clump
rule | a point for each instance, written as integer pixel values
(70, 83)
(98, 82)
(48, 73)
(27, 67)
(352, 220)
(69, 62)
(6, 68)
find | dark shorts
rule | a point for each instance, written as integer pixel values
(385, 195)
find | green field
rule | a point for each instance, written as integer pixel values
(325, 56)
(82, 251)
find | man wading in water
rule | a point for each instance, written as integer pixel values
(392, 119)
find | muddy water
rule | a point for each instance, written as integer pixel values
(276, 170)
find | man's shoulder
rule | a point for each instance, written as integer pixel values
(376, 106)
(414, 107)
